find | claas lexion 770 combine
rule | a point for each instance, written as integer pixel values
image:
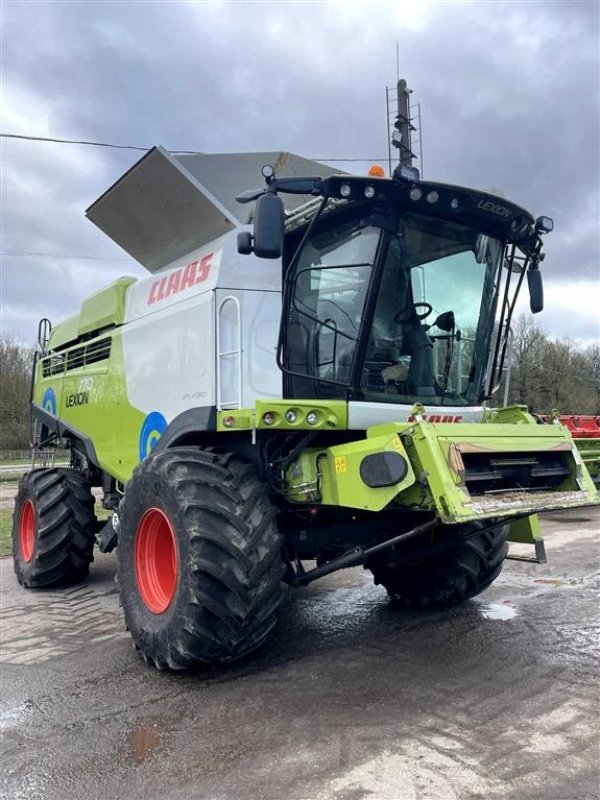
(307, 382)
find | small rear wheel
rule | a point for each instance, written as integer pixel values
(200, 558)
(53, 528)
(461, 571)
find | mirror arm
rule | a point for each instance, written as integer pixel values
(312, 185)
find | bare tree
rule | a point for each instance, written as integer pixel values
(552, 374)
(16, 362)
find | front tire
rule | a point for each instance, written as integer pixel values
(53, 528)
(199, 558)
(465, 569)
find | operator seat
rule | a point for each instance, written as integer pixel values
(416, 343)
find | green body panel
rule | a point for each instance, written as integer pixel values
(589, 450)
(511, 415)
(434, 451)
(104, 308)
(331, 476)
(92, 400)
(330, 415)
(66, 332)
(433, 447)
(526, 530)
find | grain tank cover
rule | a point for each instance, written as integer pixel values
(167, 205)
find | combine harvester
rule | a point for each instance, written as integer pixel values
(303, 376)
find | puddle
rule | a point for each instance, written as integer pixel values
(143, 743)
(13, 717)
(503, 611)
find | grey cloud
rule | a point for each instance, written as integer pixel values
(508, 92)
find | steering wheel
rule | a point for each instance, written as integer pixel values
(406, 316)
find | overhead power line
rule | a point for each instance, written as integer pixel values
(57, 255)
(71, 141)
(145, 149)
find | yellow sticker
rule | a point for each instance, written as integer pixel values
(341, 465)
(398, 444)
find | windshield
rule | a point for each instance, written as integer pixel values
(398, 316)
(434, 315)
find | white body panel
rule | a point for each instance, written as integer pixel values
(218, 265)
(170, 345)
(169, 357)
(362, 415)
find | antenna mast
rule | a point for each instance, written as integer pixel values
(404, 134)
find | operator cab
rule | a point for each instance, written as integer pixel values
(391, 313)
(392, 286)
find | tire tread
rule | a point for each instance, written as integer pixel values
(233, 590)
(65, 528)
(464, 570)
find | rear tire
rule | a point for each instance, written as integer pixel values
(200, 558)
(53, 528)
(462, 571)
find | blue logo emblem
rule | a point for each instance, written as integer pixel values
(49, 402)
(153, 428)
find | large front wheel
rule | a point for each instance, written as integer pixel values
(463, 569)
(200, 560)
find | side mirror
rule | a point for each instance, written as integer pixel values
(445, 322)
(269, 226)
(269, 217)
(536, 290)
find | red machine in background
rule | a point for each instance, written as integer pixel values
(585, 430)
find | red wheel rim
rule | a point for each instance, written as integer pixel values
(27, 531)
(155, 560)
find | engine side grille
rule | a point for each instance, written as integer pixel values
(77, 357)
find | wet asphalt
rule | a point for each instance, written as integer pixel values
(350, 699)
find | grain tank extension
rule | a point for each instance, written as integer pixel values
(302, 383)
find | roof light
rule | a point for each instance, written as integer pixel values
(432, 197)
(369, 192)
(345, 190)
(404, 172)
(415, 193)
(376, 171)
(544, 224)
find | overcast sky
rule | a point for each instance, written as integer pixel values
(509, 96)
